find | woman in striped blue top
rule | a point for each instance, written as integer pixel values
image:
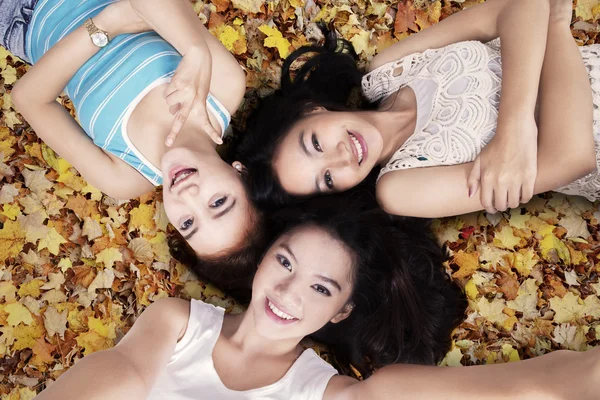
(142, 75)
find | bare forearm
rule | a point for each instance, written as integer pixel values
(174, 20)
(558, 375)
(103, 375)
(44, 81)
(523, 29)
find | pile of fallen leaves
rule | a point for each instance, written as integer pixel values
(77, 267)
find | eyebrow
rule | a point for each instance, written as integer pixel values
(289, 250)
(225, 211)
(192, 233)
(333, 282)
(303, 145)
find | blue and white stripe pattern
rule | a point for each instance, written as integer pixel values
(110, 84)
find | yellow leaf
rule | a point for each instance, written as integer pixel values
(525, 260)
(588, 10)
(553, 249)
(64, 264)
(160, 247)
(212, 290)
(7, 291)
(11, 211)
(141, 218)
(471, 290)
(31, 288)
(453, 358)
(9, 74)
(248, 6)
(492, 310)
(12, 239)
(96, 195)
(567, 309)
(109, 256)
(92, 342)
(360, 42)
(193, 289)
(275, 39)
(510, 352)
(52, 241)
(18, 313)
(506, 238)
(232, 38)
(526, 301)
(468, 263)
(106, 330)
(26, 336)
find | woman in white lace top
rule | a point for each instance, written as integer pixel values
(443, 138)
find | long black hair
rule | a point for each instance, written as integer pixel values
(326, 76)
(404, 304)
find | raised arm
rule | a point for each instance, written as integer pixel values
(36, 92)
(128, 370)
(177, 23)
(558, 375)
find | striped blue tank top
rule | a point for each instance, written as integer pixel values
(106, 89)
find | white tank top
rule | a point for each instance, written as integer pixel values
(191, 375)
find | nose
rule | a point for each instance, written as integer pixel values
(189, 193)
(343, 156)
(287, 292)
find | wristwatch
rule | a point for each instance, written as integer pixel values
(98, 36)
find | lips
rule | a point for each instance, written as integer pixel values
(279, 316)
(179, 174)
(359, 147)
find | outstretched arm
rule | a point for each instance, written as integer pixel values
(558, 375)
(129, 370)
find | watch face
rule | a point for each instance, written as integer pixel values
(99, 39)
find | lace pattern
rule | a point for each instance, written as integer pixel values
(462, 116)
(463, 111)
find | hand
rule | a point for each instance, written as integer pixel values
(506, 168)
(118, 18)
(187, 93)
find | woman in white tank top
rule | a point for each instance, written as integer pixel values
(320, 273)
(436, 127)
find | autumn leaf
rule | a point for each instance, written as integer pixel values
(109, 256)
(52, 241)
(275, 39)
(12, 239)
(17, 314)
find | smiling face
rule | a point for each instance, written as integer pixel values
(327, 151)
(205, 200)
(302, 283)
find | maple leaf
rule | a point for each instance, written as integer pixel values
(275, 39)
(248, 6)
(12, 239)
(492, 310)
(103, 280)
(36, 180)
(142, 218)
(9, 74)
(17, 313)
(109, 256)
(11, 211)
(570, 336)
(567, 309)
(526, 301)
(467, 262)
(160, 217)
(142, 250)
(588, 10)
(7, 291)
(34, 227)
(91, 228)
(506, 238)
(575, 226)
(554, 249)
(8, 193)
(52, 241)
(55, 322)
(31, 288)
(55, 281)
(452, 358)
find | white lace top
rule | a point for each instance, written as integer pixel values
(457, 89)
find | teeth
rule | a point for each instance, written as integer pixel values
(359, 148)
(279, 313)
(181, 176)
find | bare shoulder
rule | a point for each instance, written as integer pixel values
(340, 387)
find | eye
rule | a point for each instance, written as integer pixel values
(316, 144)
(322, 290)
(328, 180)
(219, 202)
(187, 224)
(284, 262)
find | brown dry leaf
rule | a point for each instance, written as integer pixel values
(55, 322)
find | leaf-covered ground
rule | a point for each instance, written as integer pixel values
(77, 267)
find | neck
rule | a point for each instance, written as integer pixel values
(396, 126)
(194, 138)
(242, 333)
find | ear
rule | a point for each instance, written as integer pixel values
(239, 167)
(343, 314)
(316, 110)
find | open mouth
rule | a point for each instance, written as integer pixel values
(360, 147)
(278, 315)
(180, 174)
